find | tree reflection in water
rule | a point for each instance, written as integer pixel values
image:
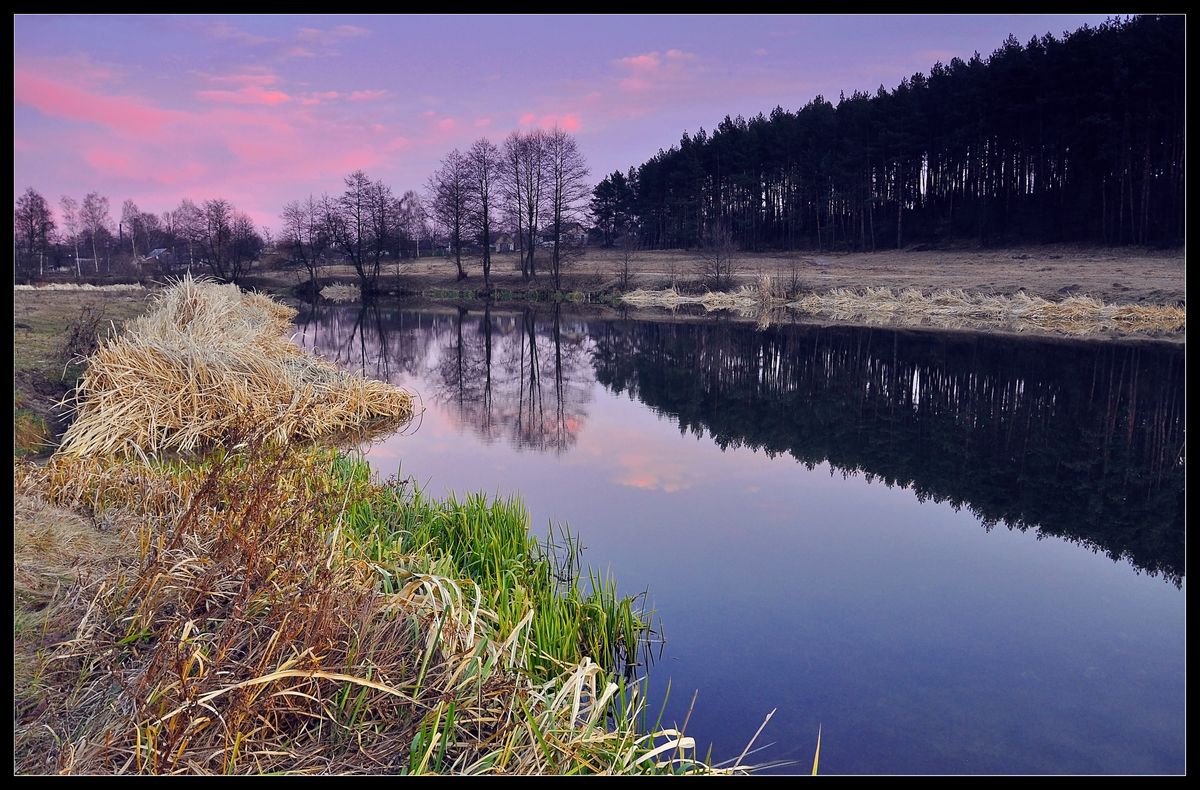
(1080, 440)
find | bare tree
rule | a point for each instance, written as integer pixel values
(305, 235)
(449, 190)
(361, 226)
(483, 159)
(70, 213)
(131, 218)
(568, 187)
(414, 220)
(189, 224)
(718, 263)
(217, 217)
(95, 221)
(33, 223)
(627, 247)
(245, 245)
(523, 180)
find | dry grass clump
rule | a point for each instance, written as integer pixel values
(1076, 315)
(209, 360)
(745, 298)
(340, 292)
(252, 631)
(79, 287)
(947, 308)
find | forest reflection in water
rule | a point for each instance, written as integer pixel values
(1081, 440)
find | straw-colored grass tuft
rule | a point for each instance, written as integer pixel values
(340, 292)
(955, 308)
(208, 361)
(80, 287)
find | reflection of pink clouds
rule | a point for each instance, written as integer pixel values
(652, 472)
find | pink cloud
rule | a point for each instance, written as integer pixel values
(251, 94)
(260, 79)
(481, 123)
(447, 124)
(333, 35)
(125, 114)
(367, 95)
(318, 97)
(76, 69)
(567, 121)
(646, 62)
(227, 32)
(651, 72)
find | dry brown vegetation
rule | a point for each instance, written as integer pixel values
(264, 615)
(950, 309)
(209, 360)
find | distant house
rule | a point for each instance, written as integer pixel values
(504, 243)
(573, 235)
(162, 255)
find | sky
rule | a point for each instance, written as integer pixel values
(265, 109)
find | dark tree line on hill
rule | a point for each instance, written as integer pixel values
(1063, 139)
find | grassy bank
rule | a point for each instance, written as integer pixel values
(948, 309)
(250, 602)
(280, 611)
(51, 329)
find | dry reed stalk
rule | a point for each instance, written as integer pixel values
(209, 361)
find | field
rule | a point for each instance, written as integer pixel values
(1133, 275)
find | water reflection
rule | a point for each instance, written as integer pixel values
(1083, 441)
(510, 375)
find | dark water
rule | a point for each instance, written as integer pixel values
(955, 553)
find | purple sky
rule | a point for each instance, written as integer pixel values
(265, 109)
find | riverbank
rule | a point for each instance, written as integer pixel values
(267, 606)
(1128, 275)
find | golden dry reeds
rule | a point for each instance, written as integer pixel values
(208, 361)
(80, 287)
(945, 308)
(955, 308)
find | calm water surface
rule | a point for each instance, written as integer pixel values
(954, 553)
